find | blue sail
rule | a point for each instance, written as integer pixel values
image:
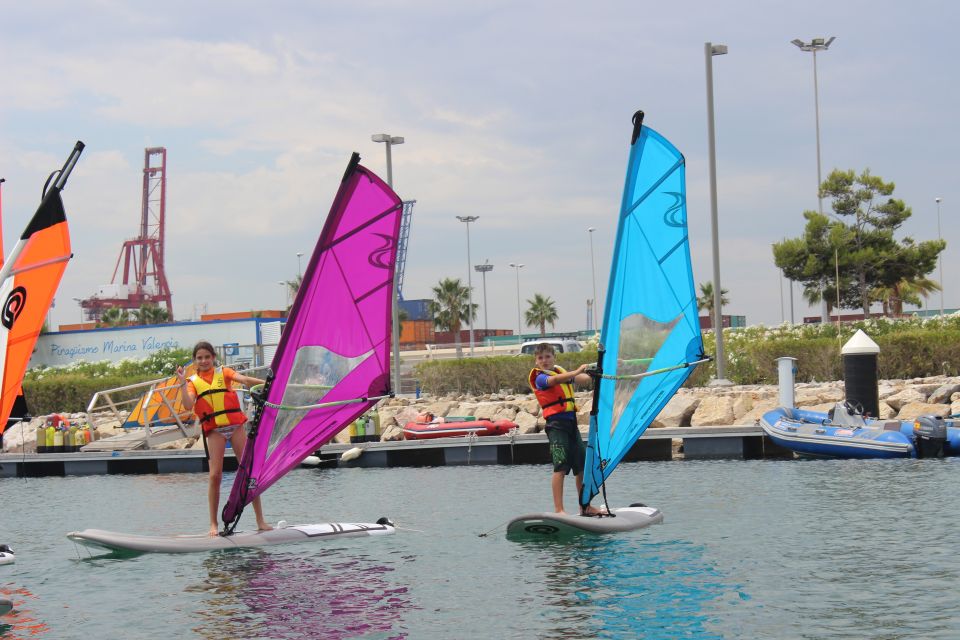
(651, 333)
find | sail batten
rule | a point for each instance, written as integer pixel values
(333, 359)
(650, 334)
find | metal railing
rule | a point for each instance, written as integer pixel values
(154, 396)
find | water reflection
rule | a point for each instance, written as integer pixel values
(259, 594)
(20, 622)
(619, 587)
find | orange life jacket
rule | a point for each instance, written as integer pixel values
(216, 405)
(556, 398)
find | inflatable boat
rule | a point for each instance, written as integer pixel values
(844, 433)
(422, 430)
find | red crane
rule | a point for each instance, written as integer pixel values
(144, 280)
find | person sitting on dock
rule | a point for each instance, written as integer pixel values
(553, 387)
(209, 393)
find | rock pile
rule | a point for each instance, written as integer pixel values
(701, 406)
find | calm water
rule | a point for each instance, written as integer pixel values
(762, 549)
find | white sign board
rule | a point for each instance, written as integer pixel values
(113, 344)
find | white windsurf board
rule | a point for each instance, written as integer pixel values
(131, 542)
(561, 525)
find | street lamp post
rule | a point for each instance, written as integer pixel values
(709, 51)
(483, 269)
(467, 220)
(939, 237)
(593, 277)
(816, 44)
(286, 294)
(395, 306)
(783, 317)
(518, 266)
(299, 270)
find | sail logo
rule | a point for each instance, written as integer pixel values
(382, 257)
(674, 215)
(13, 307)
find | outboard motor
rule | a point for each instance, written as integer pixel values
(929, 435)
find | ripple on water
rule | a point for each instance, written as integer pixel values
(771, 549)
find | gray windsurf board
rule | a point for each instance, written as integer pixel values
(131, 542)
(559, 525)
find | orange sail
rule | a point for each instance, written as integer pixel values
(28, 281)
(160, 407)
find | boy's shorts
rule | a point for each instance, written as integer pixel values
(566, 445)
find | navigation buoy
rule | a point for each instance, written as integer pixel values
(6, 554)
(351, 454)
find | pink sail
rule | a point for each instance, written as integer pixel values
(335, 348)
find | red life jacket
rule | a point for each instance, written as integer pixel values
(556, 398)
(216, 405)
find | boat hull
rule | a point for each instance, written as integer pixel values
(810, 433)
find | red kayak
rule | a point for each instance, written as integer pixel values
(421, 430)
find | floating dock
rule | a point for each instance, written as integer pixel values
(733, 442)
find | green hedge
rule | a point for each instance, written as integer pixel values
(72, 392)
(487, 375)
(69, 389)
(912, 352)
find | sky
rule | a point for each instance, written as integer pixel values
(516, 112)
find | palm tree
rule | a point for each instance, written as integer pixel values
(149, 313)
(451, 306)
(904, 291)
(541, 311)
(705, 299)
(293, 288)
(114, 317)
(402, 316)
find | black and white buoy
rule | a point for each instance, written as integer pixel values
(860, 373)
(6, 554)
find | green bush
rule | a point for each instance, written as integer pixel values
(69, 389)
(487, 375)
(71, 393)
(909, 348)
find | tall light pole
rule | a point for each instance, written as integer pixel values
(783, 317)
(286, 294)
(709, 51)
(483, 269)
(518, 266)
(939, 237)
(299, 270)
(395, 306)
(790, 285)
(816, 44)
(467, 220)
(593, 276)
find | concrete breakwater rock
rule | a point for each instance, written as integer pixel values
(696, 407)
